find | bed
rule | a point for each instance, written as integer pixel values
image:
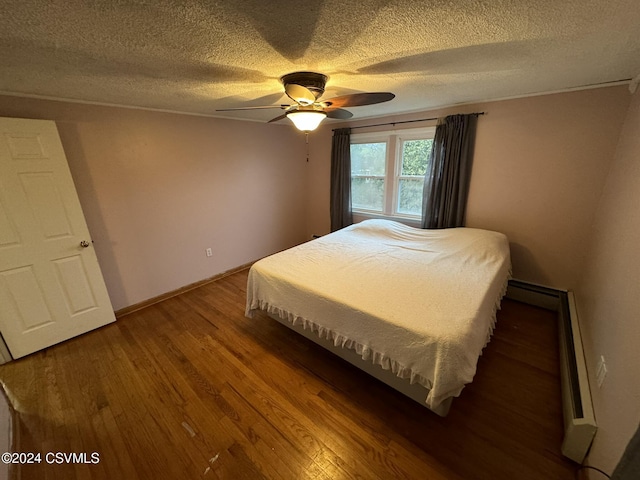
(412, 307)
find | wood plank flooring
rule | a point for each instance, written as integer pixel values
(190, 388)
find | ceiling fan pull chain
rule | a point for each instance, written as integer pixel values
(306, 140)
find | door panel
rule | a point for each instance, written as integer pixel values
(46, 204)
(51, 287)
(25, 146)
(8, 233)
(74, 283)
(26, 298)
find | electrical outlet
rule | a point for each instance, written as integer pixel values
(601, 371)
(209, 252)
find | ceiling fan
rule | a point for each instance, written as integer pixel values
(307, 111)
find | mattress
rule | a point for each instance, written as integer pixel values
(421, 303)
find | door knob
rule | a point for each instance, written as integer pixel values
(84, 244)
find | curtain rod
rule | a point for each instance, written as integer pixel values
(404, 121)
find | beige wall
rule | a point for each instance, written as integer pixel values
(539, 170)
(157, 189)
(608, 299)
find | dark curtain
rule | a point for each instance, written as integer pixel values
(447, 180)
(341, 179)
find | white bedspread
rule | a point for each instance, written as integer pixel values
(419, 302)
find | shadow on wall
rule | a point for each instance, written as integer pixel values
(525, 266)
(104, 245)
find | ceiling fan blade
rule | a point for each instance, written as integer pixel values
(299, 94)
(280, 117)
(339, 113)
(252, 108)
(360, 99)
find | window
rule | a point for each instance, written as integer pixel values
(387, 172)
(368, 171)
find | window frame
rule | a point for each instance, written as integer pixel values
(393, 168)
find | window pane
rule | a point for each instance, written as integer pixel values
(368, 161)
(414, 156)
(368, 158)
(410, 196)
(367, 193)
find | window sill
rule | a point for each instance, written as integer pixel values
(360, 216)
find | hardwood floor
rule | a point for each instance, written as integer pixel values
(190, 388)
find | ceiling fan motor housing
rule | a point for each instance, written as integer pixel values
(305, 90)
(315, 82)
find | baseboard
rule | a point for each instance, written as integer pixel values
(174, 293)
(533, 294)
(579, 418)
(579, 421)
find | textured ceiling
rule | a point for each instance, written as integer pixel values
(198, 56)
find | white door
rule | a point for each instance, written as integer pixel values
(51, 287)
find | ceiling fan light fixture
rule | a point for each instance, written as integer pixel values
(306, 121)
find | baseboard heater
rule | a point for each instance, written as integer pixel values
(579, 420)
